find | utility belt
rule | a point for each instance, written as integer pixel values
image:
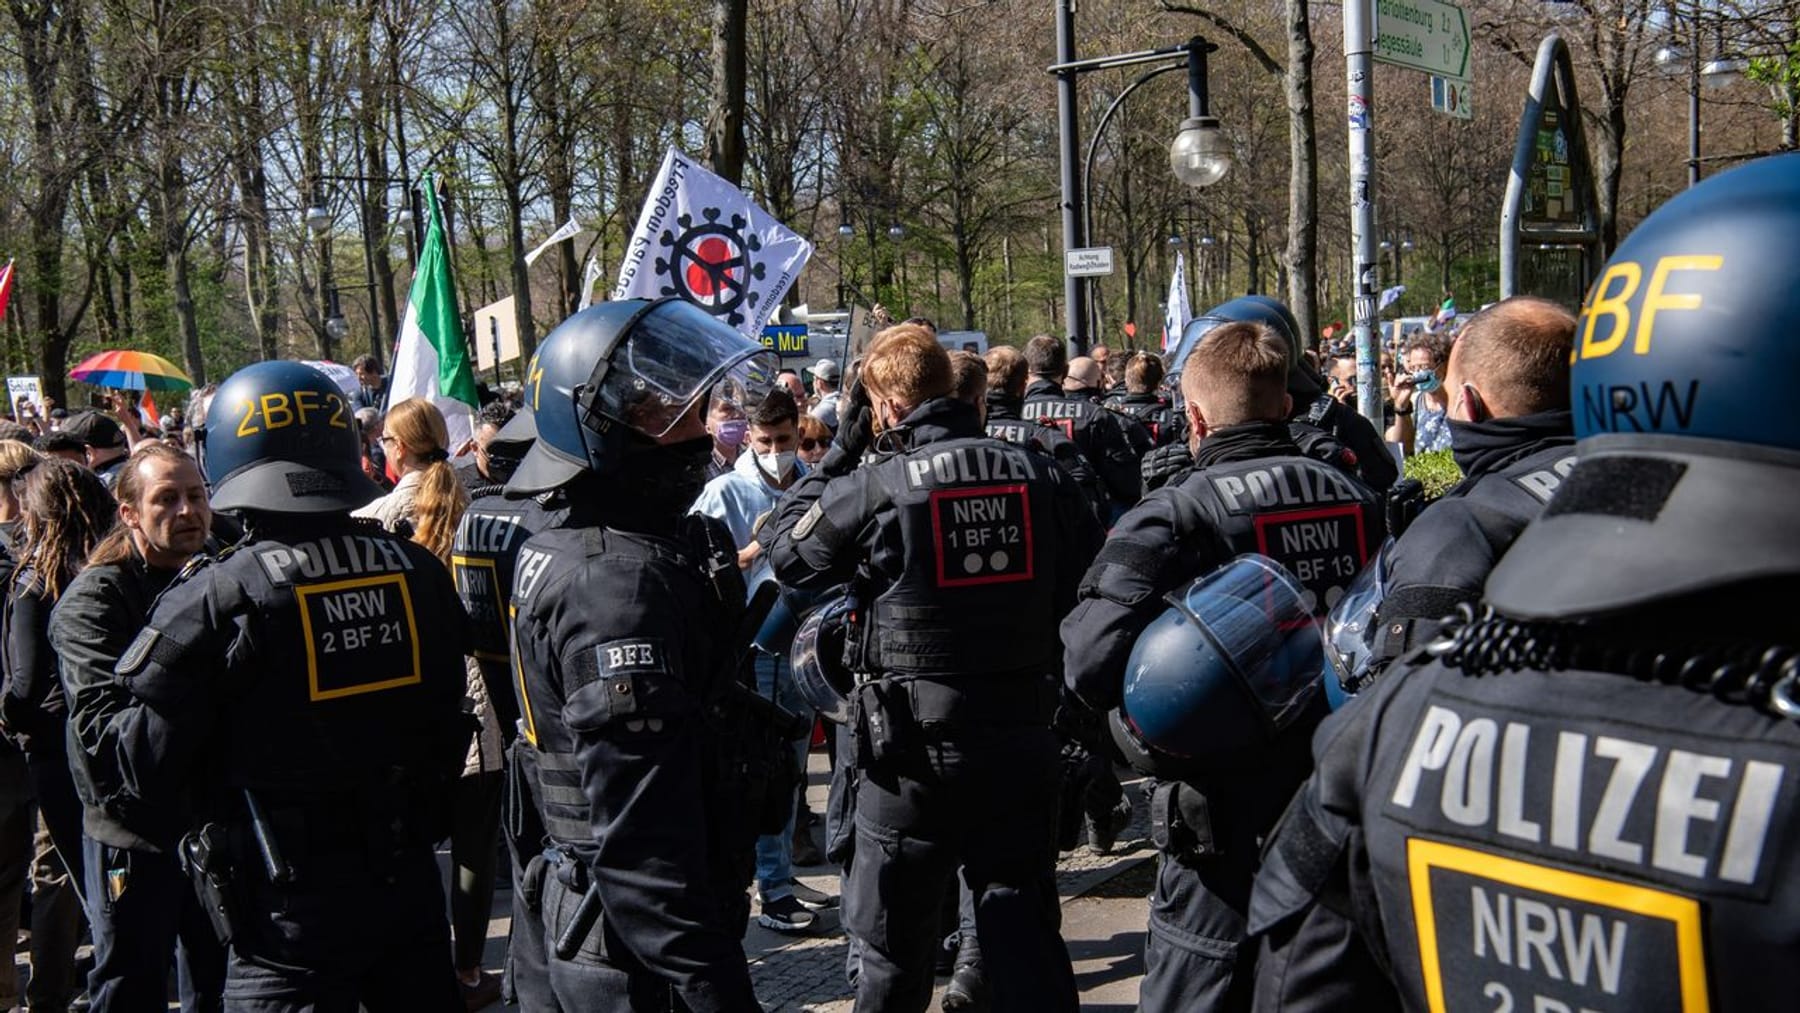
(1182, 823)
(892, 714)
(282, 837)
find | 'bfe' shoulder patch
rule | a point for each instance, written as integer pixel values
(982, 535)
(626, 657)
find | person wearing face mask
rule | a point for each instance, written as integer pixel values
(624, 632)
(815, 439)
(1513, 435)
(1251, 489)
(725, 423)
(1421, 399)
(768, 467)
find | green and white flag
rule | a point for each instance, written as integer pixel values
(431, 359)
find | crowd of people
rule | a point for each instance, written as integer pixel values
(1530, 742)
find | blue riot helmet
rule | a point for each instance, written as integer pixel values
(1688, 462)
(282, 438)
(626, 370)
(1350, 632)
(1232, 664)
(817, 658)
(1258, 309)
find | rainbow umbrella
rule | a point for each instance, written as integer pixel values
(125, 369)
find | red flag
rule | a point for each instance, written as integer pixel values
(6, 285)
(149, 407)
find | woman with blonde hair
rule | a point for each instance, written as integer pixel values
(428, 502)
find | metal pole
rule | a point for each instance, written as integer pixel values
(1074, 294)
(1359, 45)
(1694, 105)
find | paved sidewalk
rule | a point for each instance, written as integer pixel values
(1105, 902)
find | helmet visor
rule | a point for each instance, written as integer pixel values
(1252, 610)
(674, 354)
(1349, 627)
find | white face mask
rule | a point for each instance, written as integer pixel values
(778, 464)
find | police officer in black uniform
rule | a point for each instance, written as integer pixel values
(304, 693)
(623, 620)
(1094, 429)
(1324, 429)
(960, 550)
(1584, 796)
(1139, 396)
(484, 561)
(1251, 491)
(1004, 400)
(1514, 438)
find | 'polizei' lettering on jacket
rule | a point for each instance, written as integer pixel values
(1615, 800)
(958, 465)
(1283, 485)
(487, 534)
(335, 556)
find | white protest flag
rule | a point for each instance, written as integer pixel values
(568, 229)
(590, 276)
(1389, 296)
(1179, 312)
(701, 239)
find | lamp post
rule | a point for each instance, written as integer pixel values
(1198, 156)
(319, 220)
(1206, 272)
(845, 231)
(1397, 243)
(1719, 69)
(897, 232)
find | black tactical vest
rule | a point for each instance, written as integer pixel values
(1312, 518)
(977, 557)
(352, 660)
(482, 561)
(582, 590)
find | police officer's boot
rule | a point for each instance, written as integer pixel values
(968, 989)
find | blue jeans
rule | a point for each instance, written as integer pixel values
(775, 852)
(154, 919)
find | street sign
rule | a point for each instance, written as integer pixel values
(1427, 35)
(1452, 97)
(1091, 262)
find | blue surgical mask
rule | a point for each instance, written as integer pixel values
(1427, 380)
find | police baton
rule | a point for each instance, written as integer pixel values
(568, 941)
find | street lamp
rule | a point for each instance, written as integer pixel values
(1200, 155)
(1718, 70)
(897, 232)
(1197, 156)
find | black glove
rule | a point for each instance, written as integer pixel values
(856, 430)
(1164, 463)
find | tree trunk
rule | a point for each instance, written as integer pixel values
(1303, 177)
(725, 126)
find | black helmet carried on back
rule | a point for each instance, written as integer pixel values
(623, 371)
(281, 438)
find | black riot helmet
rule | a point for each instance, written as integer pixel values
(1304, 383)
(623, 371)
(1688, 462)
(282, 439)
(1232, 664)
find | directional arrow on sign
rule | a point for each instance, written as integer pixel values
(1427, 35)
